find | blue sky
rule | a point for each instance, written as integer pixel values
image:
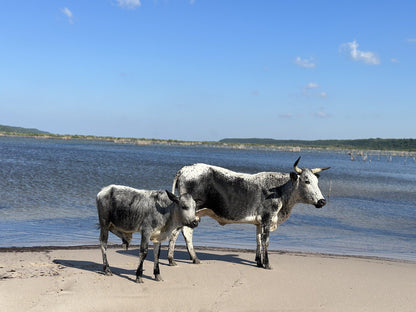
(210, 69)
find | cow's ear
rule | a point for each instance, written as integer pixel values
(293, 176)
(172, 197)
(271, 195)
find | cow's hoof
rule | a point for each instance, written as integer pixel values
(268, 267)
(108, 272)
(197, 261)
(158, 278)
(139, 280)
(172, 262)
(260, 265)
(126, 247)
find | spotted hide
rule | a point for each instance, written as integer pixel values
(264, 199)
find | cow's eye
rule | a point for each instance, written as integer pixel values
(185, 207)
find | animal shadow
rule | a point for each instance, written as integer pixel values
(98, 268)
(182, 256)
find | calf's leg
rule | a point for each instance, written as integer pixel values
(156, 270)
(171, 250)
(103, 244)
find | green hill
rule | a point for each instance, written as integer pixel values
(20, 130)
(408, 145)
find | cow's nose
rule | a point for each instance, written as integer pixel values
(194, 224)
(320, 203)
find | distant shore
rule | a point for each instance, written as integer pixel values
(71, 279)
(353, 152)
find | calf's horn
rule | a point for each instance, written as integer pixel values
(316, 170)
(296, 168)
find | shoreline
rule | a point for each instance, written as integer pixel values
(352, 151)
(206, 248)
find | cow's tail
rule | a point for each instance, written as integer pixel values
(175, 181)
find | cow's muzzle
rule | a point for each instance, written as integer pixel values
(193, 224)
(320, 203)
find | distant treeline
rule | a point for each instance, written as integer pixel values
(10, 129)
(408, 145)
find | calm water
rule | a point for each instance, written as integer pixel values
(48, 188)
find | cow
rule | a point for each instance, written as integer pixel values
(264, 199)
(124, 210)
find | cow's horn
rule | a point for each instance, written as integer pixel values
(316, 170)
(296, 168)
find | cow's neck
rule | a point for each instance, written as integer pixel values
(289, 199)
(170, 222)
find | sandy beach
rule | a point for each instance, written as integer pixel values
(47, 279)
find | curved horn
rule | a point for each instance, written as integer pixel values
(296, 168)
(316, 170)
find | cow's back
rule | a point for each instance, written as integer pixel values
(230, 195)
(128, 208)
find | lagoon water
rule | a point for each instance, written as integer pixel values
(48, 188)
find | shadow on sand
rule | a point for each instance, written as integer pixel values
(181, 256)
(98, 268)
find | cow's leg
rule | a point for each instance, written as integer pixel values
(171, 249)
(144, 246)
(156, 270)
(187, 234)
(103, 244)
(259, 242)
(265, 245)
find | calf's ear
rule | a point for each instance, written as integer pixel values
(172, 197)
(293, 176)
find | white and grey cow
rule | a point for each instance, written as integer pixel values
(264, 199)
(124, 210)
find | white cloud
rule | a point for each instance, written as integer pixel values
(309, 90)
(286, 115)
(311, 85)
(411, 40)
(305, 63)
(68, 14)
(357, 55)
(394, 60)
(322, 115)
(191, 1)
(129, 4)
